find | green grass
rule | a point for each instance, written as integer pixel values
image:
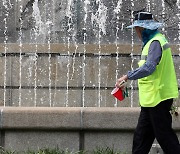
(98, 150)
(106, 150)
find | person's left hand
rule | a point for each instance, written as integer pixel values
(120, 81)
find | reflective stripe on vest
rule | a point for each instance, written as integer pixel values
(166, 46)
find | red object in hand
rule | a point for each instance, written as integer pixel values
(118, 93)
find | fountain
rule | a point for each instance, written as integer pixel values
(75, 48)
(91, 33)
(69, 53)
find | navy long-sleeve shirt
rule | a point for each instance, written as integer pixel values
(153, 59)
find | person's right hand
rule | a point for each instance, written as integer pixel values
(120, 82)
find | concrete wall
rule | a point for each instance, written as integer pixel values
(65, 76)
(75, 60)
(73, 128)
(81, 21)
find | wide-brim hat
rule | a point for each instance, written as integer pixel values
(145, 20)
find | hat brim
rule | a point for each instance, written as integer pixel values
(148, 24)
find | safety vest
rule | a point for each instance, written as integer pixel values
(162, 83)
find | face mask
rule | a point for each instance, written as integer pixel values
(148, 34)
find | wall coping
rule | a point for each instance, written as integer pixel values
(72, 48)
(72, 118)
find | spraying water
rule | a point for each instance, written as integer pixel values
(6, 4)
(67, 31)
(117, 10)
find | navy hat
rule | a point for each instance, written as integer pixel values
(145, 20)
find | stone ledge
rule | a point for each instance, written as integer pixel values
(72, 118)
(110, 118)
(40, 118)
(65, 48)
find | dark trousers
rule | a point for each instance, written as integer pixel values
(155, 122)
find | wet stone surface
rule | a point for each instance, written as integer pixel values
(82, 73)
(82, 22)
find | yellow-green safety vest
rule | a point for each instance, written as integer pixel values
(162, 83)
